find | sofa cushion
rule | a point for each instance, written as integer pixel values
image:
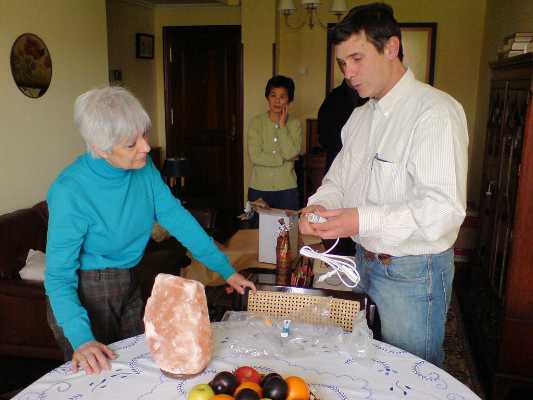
(35, 265)
(24, 331)
(20, 231)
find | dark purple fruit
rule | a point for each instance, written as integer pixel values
(275, 388)
(266, 378)
(224, 382)
(247, 394)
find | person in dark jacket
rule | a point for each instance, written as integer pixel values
(332, 115)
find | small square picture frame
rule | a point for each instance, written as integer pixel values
(144, 45)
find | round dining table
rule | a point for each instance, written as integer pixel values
(387, 373)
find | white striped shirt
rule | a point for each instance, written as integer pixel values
(403, 164)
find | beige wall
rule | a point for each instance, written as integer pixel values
(258, 22)
(182, 16)
(258, 35)
(458, 53)
(37, 137)
(301, 54)
(502, 19)
(124, 20)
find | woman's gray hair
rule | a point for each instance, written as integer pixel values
(108, 116)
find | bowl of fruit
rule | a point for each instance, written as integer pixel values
(246, 383)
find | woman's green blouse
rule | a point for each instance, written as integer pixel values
(272, 150)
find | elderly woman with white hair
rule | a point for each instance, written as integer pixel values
(102, 208)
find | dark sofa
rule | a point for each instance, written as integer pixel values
(24, 330)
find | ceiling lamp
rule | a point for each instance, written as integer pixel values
(287, 8)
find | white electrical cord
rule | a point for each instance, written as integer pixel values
(340, 265)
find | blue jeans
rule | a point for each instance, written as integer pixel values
(412, 295)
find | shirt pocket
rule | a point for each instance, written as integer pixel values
(382, 186)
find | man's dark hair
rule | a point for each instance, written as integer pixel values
(375, 19)
(280, 81)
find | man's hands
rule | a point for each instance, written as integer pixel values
(239, 282)
(341, 222)
(306, 227)
(93, 357)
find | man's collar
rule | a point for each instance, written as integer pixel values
(399, 91)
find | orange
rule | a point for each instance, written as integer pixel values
(250, 385)
(222, 397)
(297, 388)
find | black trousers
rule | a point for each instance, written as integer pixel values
(287, 199)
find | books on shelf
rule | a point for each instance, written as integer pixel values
(516, 44)
(512, 53)
(521, 39)
(520, 36)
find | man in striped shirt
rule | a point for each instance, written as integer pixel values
(398, 186)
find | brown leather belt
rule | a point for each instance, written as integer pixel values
(370, 256)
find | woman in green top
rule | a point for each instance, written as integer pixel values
(274, 142)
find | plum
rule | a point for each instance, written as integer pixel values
(266, 378)
(224, 383)
(275, 388)
(247, 394)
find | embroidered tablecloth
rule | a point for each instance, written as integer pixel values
(390, 373)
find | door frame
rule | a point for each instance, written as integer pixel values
(170, 139)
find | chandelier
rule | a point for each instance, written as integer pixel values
(287, 8)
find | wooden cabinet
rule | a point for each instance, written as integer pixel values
(499, 306)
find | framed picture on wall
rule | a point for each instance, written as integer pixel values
(144, 45)
(418, 41)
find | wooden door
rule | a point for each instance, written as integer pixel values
(203, 92)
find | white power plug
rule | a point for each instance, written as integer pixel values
(315, 219)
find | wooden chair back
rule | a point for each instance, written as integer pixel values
(281, 301)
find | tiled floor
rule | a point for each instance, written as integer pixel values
(458, 361)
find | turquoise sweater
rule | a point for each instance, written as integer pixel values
(102, 217)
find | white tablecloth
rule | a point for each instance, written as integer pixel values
(389, 374)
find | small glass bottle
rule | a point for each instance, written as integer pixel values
(282, 255)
